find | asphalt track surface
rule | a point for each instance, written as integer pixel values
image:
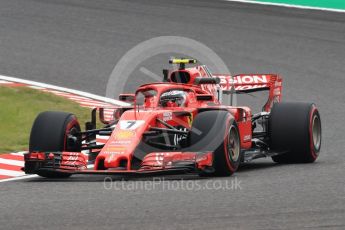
(76, 44)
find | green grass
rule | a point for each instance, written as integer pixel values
(19, 108)
(332, 4)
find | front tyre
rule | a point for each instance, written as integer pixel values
(218, 132)
(51, 132)
(295, 131)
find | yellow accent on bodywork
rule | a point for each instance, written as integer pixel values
(182, 61)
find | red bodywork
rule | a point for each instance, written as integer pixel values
(118, 155)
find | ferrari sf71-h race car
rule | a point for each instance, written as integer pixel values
(185, 124)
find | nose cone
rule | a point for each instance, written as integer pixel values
(114, 160)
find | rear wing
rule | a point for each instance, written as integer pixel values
(246, 83)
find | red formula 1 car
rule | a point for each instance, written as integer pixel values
(180, 125)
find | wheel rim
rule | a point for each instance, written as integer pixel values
(233, 144)
(70, 133)
(316, 131)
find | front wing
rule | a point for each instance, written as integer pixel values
(162, 163)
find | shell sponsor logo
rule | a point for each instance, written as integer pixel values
(124, 134)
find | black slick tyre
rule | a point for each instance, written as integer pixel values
(217, 131)
(50, 132)
(295, 132)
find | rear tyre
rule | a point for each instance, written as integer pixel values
(50, 133)
(295, 131)
(217, 131)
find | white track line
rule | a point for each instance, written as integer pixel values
(11, 173)
(11, 162)
(36, 87)
(18, 178)
(288, 5)
(18, 154)
(62, 89)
